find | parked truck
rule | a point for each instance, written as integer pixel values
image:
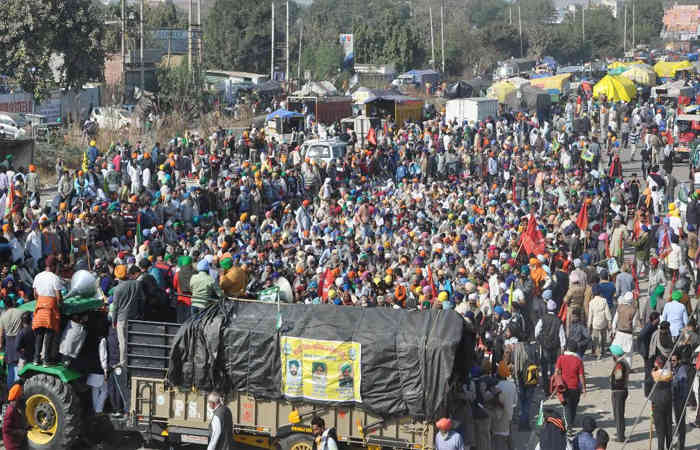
(59, 414)
(471, 110)
(326, 110)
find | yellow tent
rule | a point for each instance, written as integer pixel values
(615, 88)
(668, 69)
(559, 82)
(641, 74)
(502, 91)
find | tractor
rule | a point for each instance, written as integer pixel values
(56, 398)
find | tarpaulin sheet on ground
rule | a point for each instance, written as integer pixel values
(668, 69)
(642, 74)
(615, 88)
(558, 82)
(503, 91)
(387, 362)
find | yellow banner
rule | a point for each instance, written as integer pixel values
(321, 370)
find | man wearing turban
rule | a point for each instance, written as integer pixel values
(447, 439)
(14, 428)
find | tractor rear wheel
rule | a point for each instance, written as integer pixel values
(52, 411)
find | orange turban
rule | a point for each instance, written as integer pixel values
(444, 424)
(503, 370)
(15, 392)
(120, 271)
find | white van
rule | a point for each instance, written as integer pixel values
(325, 150)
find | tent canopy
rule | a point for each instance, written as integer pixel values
(283, 114)
(615, 88)
(557, 82)
(641, 74)
(668, 69)
(503, 90)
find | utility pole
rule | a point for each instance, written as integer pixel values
(432, 39)
(442, 34)
(624, 45)
(143, 84)
(634, 21)
(286, 44)
(583, 22)
(272, 56)
(520, 30)
(301, 36)
(124, 43)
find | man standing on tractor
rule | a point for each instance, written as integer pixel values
(47, 316)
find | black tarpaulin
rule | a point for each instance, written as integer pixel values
(407, 357)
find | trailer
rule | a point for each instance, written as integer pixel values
(471, 110)
(176, 414)
(326, 110)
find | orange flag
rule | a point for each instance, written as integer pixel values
(582, 219)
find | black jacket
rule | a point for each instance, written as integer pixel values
(645, 338)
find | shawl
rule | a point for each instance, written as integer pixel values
(656, 344)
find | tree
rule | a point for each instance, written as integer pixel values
(38, 34)
(388, 38)
(164, 15)
(181, 90)
(323, 60)
(649, 15)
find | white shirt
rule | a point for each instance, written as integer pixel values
(47, 284)
(215, 433)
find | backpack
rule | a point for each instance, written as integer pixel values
(530, 375)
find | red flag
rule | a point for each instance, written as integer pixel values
(582, 219)
(532, 239)
(636, 279)
(563, 311)
(372, 137)
(665, 244)
(515, 196)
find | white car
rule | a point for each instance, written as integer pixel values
(324, 150)
(9, 128)
(111, 118)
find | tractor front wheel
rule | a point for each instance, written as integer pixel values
(52, 411)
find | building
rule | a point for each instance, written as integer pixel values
(116, 69)
(681, 22)
(163, 43)
(617, 7)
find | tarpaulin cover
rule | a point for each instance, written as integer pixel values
(615, 88)
(459, 89)
(535, 98)
(407, 358)
(668, 69)
(642, 74)
(559, 82)
(503, 91)
(284, 114)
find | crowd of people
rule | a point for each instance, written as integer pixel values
(528, 227)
